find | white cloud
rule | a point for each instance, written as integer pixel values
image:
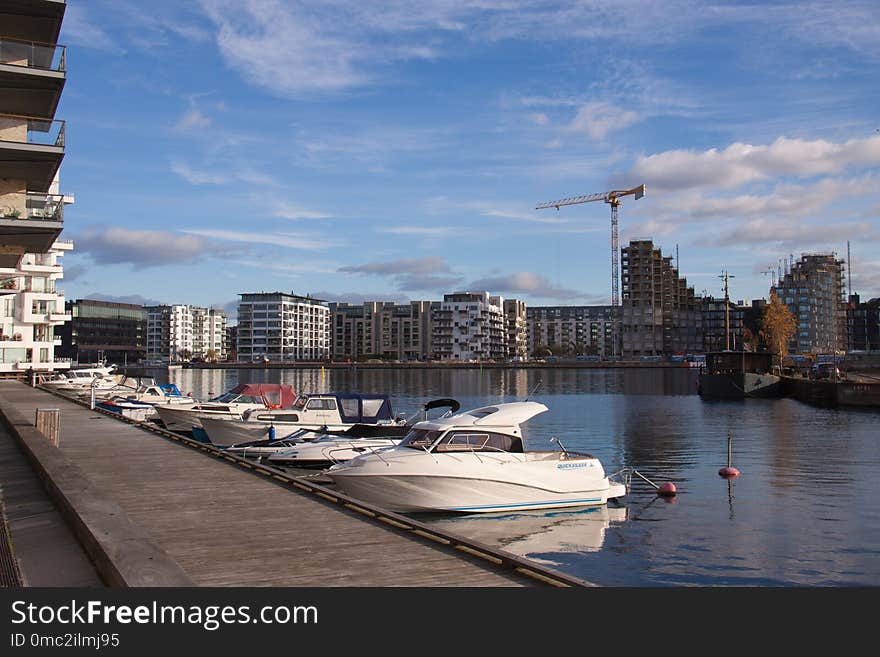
(195, 177)
(741, 163)
(598, 119)
(286, 210)
(141, 248)
(193, 118)
(289, 240)
(526, 282)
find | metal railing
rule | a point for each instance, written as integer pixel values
(46, 207)
(20, 129)
(33, 54)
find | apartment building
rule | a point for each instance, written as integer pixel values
(182, 332)
(722, 328)
(571, 331)
(31, 310)
(516, 328)
(813, 290)
(470, 326)
(32, 77)
(282, 327)
(381, 329)
(104, 330)
(660, 315)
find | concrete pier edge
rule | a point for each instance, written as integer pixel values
(123, 553)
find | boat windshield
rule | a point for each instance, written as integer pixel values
(229, 397)
(420, 438)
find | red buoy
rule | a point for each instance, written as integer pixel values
(666, 490)
(728, 472)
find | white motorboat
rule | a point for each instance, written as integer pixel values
(474, 462)
(83, 378)
(232, 405)
(323, 448)
(141, 404)
(333, 412)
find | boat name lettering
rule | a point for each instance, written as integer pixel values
(568, 466)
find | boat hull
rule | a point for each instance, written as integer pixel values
(739, 385)
(414, 494)
(184, 419)
(225, 432)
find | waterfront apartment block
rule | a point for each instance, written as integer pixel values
(470, 326)
(660, 315)
(863, 322)
(209, 333)
(31, 310)
(516, 327)
(381, 329)
(183, 332)
(32, 76)
(722, 329)
(813, 290)
(570, 331)
(282, 327)
(104, 330)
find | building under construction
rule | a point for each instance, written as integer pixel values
(660, 314)
(813, 290)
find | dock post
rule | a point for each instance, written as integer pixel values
(48, 423)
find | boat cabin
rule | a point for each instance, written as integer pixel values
(735, 362)
(330, 409)
(462, 440)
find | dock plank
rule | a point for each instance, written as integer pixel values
(227, 527)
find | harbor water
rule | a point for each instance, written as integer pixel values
(804, 511)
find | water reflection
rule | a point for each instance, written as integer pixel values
(543, 536)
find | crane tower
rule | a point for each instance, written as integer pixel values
(612, 198)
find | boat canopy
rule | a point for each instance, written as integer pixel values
(354, 409)
(498, 415)
(273, 394)
(170, 390)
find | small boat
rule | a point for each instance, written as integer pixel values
(141, 405)
(231, 405)
(99, 376)
(334, 412)
(739, 374)
(323, 448)
(474, 462)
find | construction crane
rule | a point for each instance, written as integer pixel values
(612, 198)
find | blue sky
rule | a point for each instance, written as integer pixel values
(351, 150)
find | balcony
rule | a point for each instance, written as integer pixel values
(32, 20)
(31, 150)
(35, 72)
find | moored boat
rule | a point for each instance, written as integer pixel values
(739, 374)
(232, 404)
(475, 462)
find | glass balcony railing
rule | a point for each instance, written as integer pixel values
(33, 54)
(30, 130)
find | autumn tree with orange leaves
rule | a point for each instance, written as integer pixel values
(778, 326)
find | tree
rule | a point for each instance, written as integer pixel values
(211, 355)
(778, 326)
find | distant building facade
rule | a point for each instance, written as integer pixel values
(282, 327)
(721, 329)
(31, 312)
(104, 330)
(470, 326)
(863, 322)
(516, 327)
(382, 329)
(813, 290)
(660, 315)
(570, 330)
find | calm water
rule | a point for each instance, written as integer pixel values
(805, 511)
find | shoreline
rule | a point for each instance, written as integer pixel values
(413, 366)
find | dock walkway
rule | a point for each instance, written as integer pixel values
(226, 526)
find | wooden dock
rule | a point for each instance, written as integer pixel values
(229, 523)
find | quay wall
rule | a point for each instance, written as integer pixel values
(123, 555)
